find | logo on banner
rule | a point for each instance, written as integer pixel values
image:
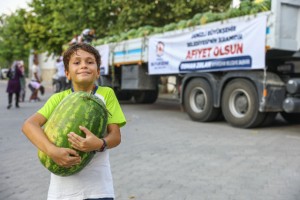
(160, 48)
(159, 62)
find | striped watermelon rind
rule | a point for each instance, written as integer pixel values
(77, 109)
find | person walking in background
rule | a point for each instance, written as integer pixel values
(22, 81)
(35, 83)
(60, 67)
(14, 86)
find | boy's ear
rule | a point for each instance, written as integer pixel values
(98, 72)
(68, 75)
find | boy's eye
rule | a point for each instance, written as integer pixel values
(76, 63)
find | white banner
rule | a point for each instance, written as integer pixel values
(104, 53)
(230, 46)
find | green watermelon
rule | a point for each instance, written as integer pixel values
(170, 27)
(246, 7)
(181, 24)
(77, 109)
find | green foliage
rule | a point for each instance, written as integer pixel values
(13, 38)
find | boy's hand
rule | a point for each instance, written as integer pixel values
(65, 157)
(87, 144)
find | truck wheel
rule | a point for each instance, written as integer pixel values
(139, 97)
(240, 104)
(123, 95)
(151, 96)
(148, 96)
(269, 119)
(198, 101)
(293, 118)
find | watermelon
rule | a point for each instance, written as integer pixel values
(246, 7)
(169, 27)
(181, 24)
(77, 109)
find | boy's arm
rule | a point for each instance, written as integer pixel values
(113, 137)
(32, 128)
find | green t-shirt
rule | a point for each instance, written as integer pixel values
(105, 93)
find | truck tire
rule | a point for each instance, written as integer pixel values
(146, 97)
(269, 119)
(152, 96)
(123, 95)
(198, 101)
(293, 118)
(240, 104)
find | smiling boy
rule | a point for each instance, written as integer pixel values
(82, 67)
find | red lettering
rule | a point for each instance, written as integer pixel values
(206, 52)
(188, 56)
(239, 48)
(198, 53)
(194, 53)
(230, 49)
(227, 50)
(216, 51)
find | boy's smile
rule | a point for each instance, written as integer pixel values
(83, 73)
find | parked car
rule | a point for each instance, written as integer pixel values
(3, 73)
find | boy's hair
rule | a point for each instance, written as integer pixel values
(82, 46)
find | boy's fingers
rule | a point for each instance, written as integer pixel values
(74, 137)
(85, 130)
(73, 153)
(75, 160)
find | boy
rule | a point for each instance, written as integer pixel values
(82, 67)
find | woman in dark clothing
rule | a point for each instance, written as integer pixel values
(14, 74)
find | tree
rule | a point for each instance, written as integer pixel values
(13, 38)
(158, 13)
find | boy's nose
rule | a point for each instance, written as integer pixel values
(83, 65)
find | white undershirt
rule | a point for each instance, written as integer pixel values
(93, 181)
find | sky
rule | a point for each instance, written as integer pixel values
(9, 6)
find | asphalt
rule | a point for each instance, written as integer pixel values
(166, 156)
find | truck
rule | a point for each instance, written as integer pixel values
(244, 69)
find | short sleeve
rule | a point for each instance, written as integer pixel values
(52, 103)
(116, 115)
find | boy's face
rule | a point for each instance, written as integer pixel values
(83, 68)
